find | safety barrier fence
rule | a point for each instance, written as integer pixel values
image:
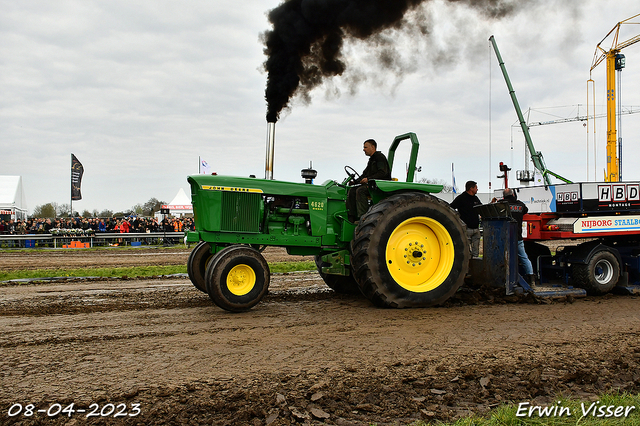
(92, 240)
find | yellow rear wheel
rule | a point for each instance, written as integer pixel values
(410, 250)
(420, 254)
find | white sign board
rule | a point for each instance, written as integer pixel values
(607, 224)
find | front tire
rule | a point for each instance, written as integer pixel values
(410, 250)
(237, 278)
(197, 264)
(599, 275)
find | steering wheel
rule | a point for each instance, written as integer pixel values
(351, 173)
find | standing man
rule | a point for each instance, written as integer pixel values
(377, 168)
(518, 210)
(464, 203)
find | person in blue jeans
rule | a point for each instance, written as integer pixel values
(518, 210)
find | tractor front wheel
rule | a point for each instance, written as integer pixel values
(237, 278)
(410, 250)
(197, 264)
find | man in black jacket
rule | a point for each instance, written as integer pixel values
(464, 203)
(378, 169)
(518, 210)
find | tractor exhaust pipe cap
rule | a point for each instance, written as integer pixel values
(309, 174)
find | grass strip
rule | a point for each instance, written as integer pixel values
(96, 248)
(138, 271)
(607, 410)
(282, 267)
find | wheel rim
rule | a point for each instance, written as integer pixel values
(241, 279)
(603, 272)
(420, 254)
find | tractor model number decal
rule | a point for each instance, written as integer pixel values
(317, 205)
(230, 189)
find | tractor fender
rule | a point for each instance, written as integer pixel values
(392, 186)
(585, 251)
(381, 189)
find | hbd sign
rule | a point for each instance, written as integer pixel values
(567, 197)
(618, 193)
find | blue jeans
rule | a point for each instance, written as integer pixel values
(524, 260)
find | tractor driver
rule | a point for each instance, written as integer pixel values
(377, 168)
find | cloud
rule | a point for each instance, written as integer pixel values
(138, 91)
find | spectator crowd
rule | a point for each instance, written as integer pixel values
(96, 225)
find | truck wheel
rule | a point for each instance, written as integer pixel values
(599, 275)
(237, 278)
(339, 283)
(197, 264)
(410, 250)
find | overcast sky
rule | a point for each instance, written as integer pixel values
(139, 90)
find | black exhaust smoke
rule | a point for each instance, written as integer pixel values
(305, 44)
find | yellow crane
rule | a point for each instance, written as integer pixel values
(615, 61)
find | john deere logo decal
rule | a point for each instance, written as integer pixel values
(231, 189)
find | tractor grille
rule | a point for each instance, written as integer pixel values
(240, 212)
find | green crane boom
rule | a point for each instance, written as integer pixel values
(536, 156)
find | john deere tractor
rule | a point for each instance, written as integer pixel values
(409, 250)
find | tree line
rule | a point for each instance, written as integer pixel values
(53, 210)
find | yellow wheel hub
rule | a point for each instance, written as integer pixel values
(241, 279)
(420, 254)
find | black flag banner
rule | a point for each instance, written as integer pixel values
(76, 178)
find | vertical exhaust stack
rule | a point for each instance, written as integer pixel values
(271, 141)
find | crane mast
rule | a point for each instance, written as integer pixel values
(615, 62)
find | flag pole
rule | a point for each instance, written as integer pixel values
(76, 177)
(71, 190)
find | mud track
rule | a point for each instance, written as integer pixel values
(304, 355)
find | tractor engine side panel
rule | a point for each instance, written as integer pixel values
(256, 211)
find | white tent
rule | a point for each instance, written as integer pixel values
(13, 204)
(180, 205)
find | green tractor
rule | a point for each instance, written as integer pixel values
(409, 250)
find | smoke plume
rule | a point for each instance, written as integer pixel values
(306, 43)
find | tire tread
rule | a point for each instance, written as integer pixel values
(378, 292)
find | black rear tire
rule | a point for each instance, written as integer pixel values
(339, 283)
(197, 264)
(237, 278)
(410, 250)
(599, 275)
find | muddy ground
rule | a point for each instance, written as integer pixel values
(162, 353)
